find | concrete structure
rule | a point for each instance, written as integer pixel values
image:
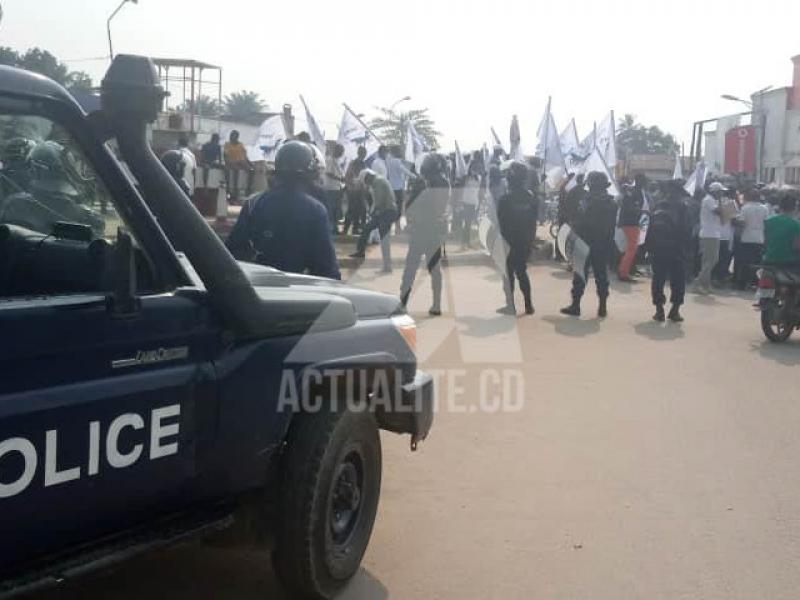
(776, 113)
(657, 167)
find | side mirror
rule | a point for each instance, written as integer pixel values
(124, 302)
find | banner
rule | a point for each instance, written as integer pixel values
(461, 165)
(740, 150)
(697, 180)
(678, 172)
(606, 140)
(271, 135)
(569, 139)
(353, 133)
(549, 146)
(317, 136)
(516, 140)
(596, 162)
(415, 145)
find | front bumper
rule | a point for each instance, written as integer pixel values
(410, 411)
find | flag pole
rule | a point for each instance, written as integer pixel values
(364, 125)
(546, 139)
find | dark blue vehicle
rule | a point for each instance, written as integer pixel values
(151, 387)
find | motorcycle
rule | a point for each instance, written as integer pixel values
(778, 299)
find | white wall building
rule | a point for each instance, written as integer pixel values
(777, 113)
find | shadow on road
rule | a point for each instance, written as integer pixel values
(787, 354)
(573, 327)
(660, 332)
(559, 274)
(484, 327)
(196, 572)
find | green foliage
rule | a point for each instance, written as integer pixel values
(392, 126)
(635, 138)
(203, 105)
(43, 62)
(244, 105)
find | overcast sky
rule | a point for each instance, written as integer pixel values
(473, 63)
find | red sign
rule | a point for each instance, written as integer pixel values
(740, 150)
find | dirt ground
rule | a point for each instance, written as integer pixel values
(645, 461)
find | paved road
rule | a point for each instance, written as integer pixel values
(647, 461)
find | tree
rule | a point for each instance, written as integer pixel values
(635, 138)
(244, 105)
(42, 62)
(203, 105)
(392, 126)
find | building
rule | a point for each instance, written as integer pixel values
(776, 112)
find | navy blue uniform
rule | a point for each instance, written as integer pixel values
(287, 229)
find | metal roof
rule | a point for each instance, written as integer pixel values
(179, 62)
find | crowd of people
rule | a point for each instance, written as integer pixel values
(713, 238)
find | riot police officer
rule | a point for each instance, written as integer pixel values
(426, 212)
(286, 227)
(517, 215)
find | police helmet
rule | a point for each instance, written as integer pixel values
(434, 165)
(516, 173)
(296, 160)
(17, 150)
(52, 170)
(597, 180)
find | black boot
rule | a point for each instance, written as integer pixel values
(529, 306)
(404, 296)
(573, 310)
(602, 309)
(659, 316)
(675, 314)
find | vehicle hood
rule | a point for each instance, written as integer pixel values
(368, 304)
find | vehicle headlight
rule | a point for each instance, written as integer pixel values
(407, 327)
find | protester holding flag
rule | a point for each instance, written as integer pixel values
(595, 224)
(426, 211)
(356, 196)
(517, 214)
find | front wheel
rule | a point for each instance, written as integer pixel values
(775, 323)
(331, 478)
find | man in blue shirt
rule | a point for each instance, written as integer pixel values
(286, 228)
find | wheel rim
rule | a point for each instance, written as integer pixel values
(347, 498)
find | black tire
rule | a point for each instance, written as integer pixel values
(331, 479)
(776, 329)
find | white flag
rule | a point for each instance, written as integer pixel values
(678, 172)
(415, 145)
(271, 135)
(353, 134)
(549, 149)
(461, 165)
(697, 180)
(313, 128)
(569, 139)
(496, 140)
(516, 140)
(487, 157)
(596, 162)
(606, 140)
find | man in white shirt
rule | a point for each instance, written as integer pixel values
(751, 244)
(334, 183)
(379, 162)
(710, 233)
(729, 211)
(398, 175)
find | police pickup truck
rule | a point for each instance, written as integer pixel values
(151, 387)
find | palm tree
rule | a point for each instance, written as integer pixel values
(244, 105)
(392, 126)
(202, 105)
